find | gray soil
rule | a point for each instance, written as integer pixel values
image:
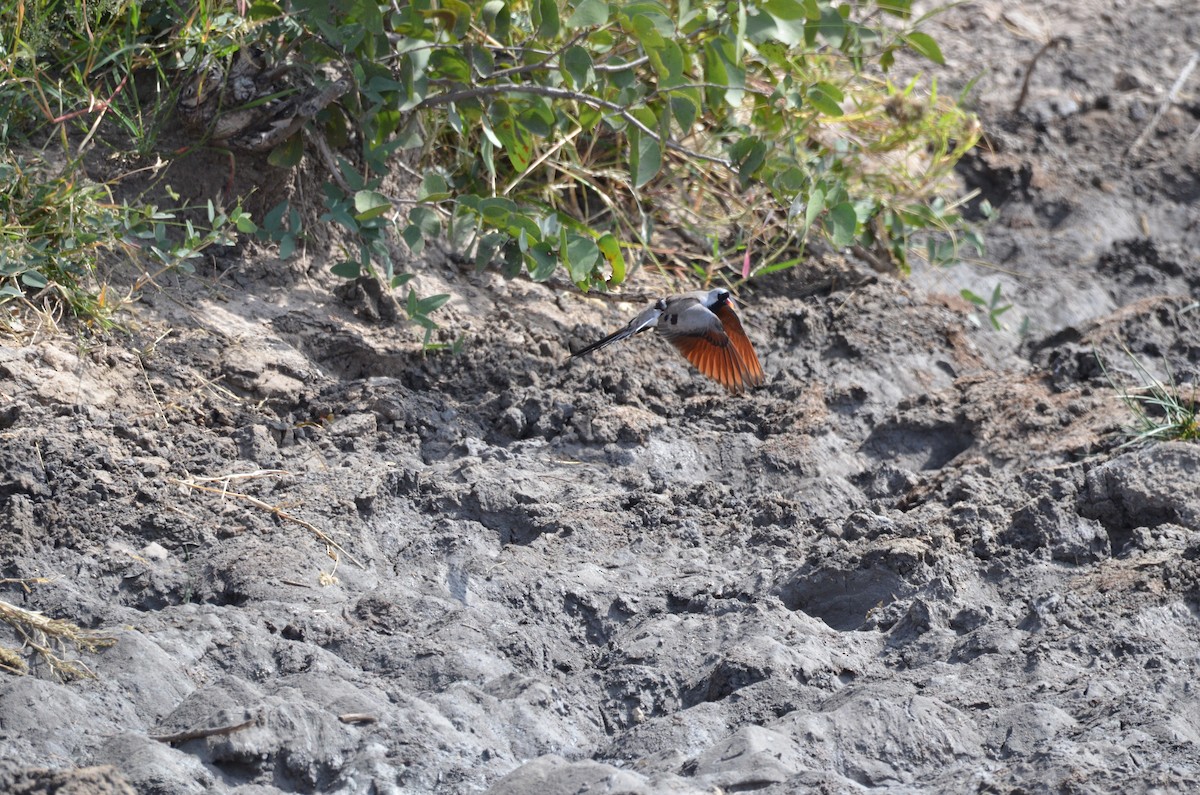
(912, 562)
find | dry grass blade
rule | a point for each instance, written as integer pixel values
(11, 661)
(1166, 103)
(200, 484)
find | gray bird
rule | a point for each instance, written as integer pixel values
(705, 329)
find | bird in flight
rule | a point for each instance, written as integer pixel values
(705, 329)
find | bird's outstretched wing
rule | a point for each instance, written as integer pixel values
(741, 343)
(700, 336)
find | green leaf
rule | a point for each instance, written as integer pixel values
(450, 65)
(542, 261)
(843, 222)
(347, 269)
(34, 279)
(785, 9)
(645, 157)
(815, 206)
(667, 61)
(899, 8)
(545, 18)
(588, 13)
(790, 180)
(368, 204)
(431, 304)
(274, 218)
(260, 12)
(826, 98)
(924, 44)
(830, 26)
(516, 139)
(481, 59)
(426, 220)
(486, 249)
(578, 68)
(413, 238)
(288, 154)
(498, 19)
(610, 249)
(538, 118)
(972, 297)
(462, 17)
(582, 254)
(414, 79)
(496, 210)
(724, 72)
(685, 107)
(644, 30)
(748, 154)
(287, 246)
(433, 188)
(589, 117)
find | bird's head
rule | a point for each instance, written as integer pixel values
(717, 297)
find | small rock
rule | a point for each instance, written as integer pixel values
(154, 551)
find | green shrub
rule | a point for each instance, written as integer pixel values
(550, 134)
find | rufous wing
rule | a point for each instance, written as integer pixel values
(715, 356)
(741, 343)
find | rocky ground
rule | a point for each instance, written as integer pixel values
(914, 561)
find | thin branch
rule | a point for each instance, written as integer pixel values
(358, 718)
(620, 67)
(199, 734)
(1054, 42)
(680, 86)
(542, 64)
(1167, 101)
(563, 93)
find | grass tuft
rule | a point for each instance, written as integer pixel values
(1162, 412)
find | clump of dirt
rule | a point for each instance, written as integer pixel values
(336, 562)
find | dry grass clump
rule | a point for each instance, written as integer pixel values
(51, 639)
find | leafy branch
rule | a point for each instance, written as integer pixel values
(555, 136)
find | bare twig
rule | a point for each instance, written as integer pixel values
(1195, 136)
(1054, 42)
(542, 64)
(1167, 101)
(199, 734)
(357, 717)
(150, 388)
(327, 157)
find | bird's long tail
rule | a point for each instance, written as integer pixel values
(645, 320)
(616, 336)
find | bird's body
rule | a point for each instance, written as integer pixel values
(704, 328)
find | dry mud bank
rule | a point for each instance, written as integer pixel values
(911, 562)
